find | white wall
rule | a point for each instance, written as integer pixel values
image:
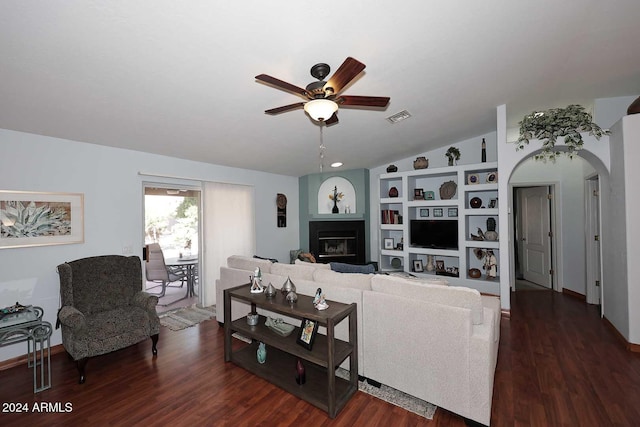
(113, 204)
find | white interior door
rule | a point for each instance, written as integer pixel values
(593, 241)
(536, 240)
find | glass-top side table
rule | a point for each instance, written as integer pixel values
(37, 333)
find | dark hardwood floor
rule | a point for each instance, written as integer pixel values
(558, 365)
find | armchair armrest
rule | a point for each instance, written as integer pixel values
(145, 301)
(71, 317)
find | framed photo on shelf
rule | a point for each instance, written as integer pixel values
(452, 212)
(424, 213)
(439, 265)
(308, 331)
(429, 195)
(417, 265)
(438, 212)
(418, 194)
(388, 243)
(493, 203)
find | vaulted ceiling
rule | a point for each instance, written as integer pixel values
(177, 78)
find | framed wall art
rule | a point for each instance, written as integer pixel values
(417, 266)
(29, 218)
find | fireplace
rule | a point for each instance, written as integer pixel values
(337, 241)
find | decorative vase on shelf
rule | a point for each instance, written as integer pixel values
(301, 376)
(261, 353)
(335, 207)
(430, 266)
(393, 192)
(421, 163)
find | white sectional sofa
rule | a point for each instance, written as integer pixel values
(433, 341)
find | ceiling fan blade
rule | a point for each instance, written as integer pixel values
(332, 120)
(283, 85)
(363, 101)
(285, 108)
(347, 71)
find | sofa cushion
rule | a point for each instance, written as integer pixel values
(247, 263)
(446, 295)
(294, 271)
(312, 264)
(350, 268)
(352, 280)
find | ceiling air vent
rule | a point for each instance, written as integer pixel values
(398, 117)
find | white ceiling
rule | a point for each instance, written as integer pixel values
(177, 77)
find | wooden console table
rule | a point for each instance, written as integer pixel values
(322, 388)
(37, 334)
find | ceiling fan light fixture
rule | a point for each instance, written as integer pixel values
(320, 109)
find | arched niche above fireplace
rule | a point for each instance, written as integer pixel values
(344, 186)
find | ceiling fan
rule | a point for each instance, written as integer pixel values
(324, 97)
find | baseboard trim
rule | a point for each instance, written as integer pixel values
(22, 360)
(634, 348)
(574, 294)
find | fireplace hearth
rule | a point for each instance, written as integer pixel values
(337, 241)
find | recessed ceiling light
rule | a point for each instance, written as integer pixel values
(398, 117)
(336, 164)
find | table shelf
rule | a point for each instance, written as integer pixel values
(322, 388)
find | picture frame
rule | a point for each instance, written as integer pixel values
(493, 203)
(417, 266)
(438, 212)
(439, 265)
(388, 243)
(429, 195)
(418, 194)
(55, 219)
(424, 213)
(452, 212)
(308, 331)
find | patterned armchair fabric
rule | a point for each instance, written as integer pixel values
(104, 308)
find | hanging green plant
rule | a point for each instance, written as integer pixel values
(453, 154)
(548, 125)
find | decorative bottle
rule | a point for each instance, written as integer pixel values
(430, 263)
(301, 377)
(262, 353)
(484, 151)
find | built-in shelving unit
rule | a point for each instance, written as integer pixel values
(419, 198)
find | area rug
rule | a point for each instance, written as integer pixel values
(186, 317)
(395, 397)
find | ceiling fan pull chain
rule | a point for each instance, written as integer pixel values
(322, 148)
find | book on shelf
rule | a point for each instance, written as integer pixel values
(390, 216)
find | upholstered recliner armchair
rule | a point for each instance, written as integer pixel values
(104, 308)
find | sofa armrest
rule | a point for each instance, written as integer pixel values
(71, 317)
(145, 300)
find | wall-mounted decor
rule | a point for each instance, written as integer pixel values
(281, 202)
(29, 218)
